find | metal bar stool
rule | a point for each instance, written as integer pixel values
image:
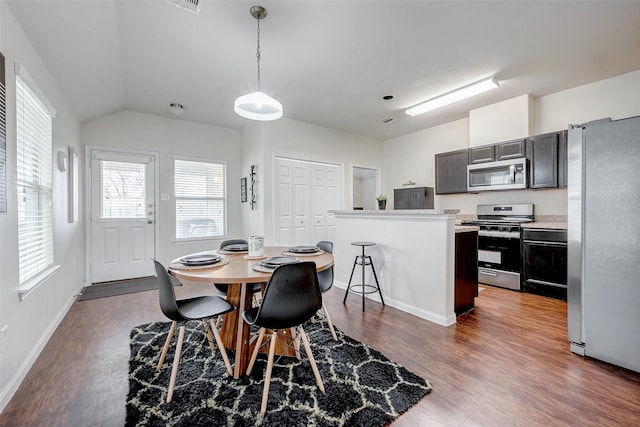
(364, 288)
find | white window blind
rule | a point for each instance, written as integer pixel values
(123, 187)
(200, 199)
(34, 182)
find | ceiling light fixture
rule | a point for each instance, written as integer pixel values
(258, 105)
(454, 96)
(176, 108)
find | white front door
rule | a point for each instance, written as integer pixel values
(122, 215)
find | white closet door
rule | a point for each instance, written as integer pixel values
(283, 195)
(301, 202)
(318, 202)
(333, 197)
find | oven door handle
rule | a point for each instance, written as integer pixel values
(488, 273)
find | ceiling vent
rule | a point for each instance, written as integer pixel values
(192, 6)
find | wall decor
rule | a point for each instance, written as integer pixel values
(74, 182)
(243, 190)
(253, 183)
(3, 139)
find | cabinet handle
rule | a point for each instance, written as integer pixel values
(488, 273)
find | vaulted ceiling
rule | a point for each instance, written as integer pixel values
(328, 62)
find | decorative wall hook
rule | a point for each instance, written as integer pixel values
(252, 174)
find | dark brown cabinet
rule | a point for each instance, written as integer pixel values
(562, 159)
(466, 275)
(544, 262)
(542, 152)
(511, 150)
(451, 172)
(413, 198)
(483, 154)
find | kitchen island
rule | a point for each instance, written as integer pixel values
(414, 258)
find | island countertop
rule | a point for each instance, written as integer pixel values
(390, 212)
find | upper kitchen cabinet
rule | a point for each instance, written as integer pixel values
(483, 154)
(542, 152)
(562, 159)
(451, 172)
(511, 150)
(413, 198)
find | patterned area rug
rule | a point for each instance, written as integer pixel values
(363, 387)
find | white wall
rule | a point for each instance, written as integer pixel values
(31, 321)
(170, 137)
(412, 156)
(303, 141)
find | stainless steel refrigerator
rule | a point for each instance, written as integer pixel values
(604, 241)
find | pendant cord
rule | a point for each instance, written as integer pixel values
(258, 54)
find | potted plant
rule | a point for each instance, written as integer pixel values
(382, 201)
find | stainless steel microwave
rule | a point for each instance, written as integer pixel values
(501, 175)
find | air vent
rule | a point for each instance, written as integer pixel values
(387, 120)
(192, 6)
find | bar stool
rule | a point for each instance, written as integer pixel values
(363, 260)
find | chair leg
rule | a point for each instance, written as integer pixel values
(176, 361)
(355, 262)
(307, 348)
(326, 315)
(223, 352)
(296, 342)
(256, 350)
(267, 377)
(375, 276)
(167, 344)
(209, 336)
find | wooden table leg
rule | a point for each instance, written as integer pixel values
(235, 334)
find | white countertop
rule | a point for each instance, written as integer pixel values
(398, 212)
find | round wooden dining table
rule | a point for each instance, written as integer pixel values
(238, 273)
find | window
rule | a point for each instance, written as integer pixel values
(123, 187)
(34, 182)
(200, 199)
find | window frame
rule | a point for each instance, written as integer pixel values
(224, 199)
(42, 186)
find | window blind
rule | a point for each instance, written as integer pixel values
(200, 199)
(34, 182)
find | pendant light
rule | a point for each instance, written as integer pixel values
(258, 105)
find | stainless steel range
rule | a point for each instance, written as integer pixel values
(499, 243)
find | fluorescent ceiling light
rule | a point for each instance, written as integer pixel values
(455, 96)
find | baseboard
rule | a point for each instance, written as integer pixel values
(408, 308)
(18, 377)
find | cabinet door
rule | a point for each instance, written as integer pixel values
(451, 172)
(542, 152)
(562, 159)
(401, 199)
(511, 150)
(417, 198)
(486, 153)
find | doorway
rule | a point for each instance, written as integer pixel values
(121, 220)
(365, 185)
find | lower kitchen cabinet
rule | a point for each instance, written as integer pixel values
(544, 262)
(466, 271)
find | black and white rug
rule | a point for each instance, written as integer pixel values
(363, 387)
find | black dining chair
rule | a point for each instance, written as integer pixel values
(223, 288)
(203, 308)
(291, 298)
(325, 279)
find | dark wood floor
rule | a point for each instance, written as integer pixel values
(506, 364)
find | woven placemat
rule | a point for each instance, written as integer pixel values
(254, 257)
(223, 252)
(320, 252)
(181, 266)
(263, 269)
